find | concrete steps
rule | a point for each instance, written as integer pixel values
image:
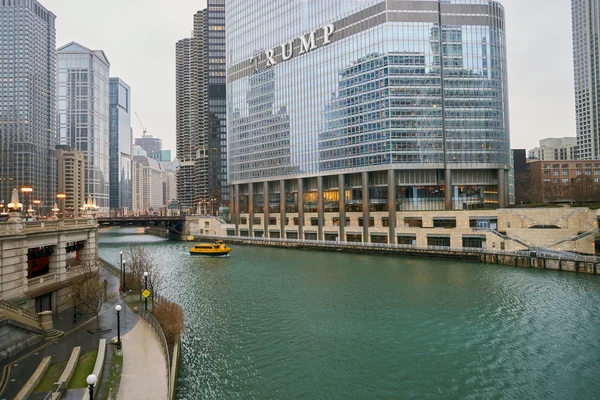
(51, 334)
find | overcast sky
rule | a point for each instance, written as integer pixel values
(139, 39)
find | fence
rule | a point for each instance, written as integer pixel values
(149, 318)
(407, 248)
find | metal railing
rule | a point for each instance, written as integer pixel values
(413, 248)
(153, 322)
(575, 238)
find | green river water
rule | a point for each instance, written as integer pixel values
(277, 323)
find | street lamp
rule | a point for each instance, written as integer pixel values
(91, 381)
(26, 190)
(118, 308)
(121, 275)
(146, 288)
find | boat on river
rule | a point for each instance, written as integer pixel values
(217, 249)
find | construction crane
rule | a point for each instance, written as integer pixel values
(144, 130)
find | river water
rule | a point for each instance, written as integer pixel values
(280, 323)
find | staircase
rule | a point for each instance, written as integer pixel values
(10, 311)
(52, 334)
(575, 238)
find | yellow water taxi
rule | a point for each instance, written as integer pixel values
(217, 249)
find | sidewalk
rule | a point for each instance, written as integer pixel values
(20, 367)
(144, 371)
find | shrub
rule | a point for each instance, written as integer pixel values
(170, 317)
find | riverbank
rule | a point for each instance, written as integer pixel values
(524, 259)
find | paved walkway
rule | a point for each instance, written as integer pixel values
(144, 373)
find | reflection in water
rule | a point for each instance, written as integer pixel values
(274, 323)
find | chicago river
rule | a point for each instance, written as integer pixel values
(280, 323)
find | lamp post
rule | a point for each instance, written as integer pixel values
(91, 381)
(146, 288)
(121, 275)
(26, 190)
(118, 309)
(37, 206)
(61, 199)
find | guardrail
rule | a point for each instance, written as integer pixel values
(149, 318)
(11, 308)
(409, 248)
(41, 281)
(10, 228)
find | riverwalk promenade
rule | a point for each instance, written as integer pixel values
(144, 371)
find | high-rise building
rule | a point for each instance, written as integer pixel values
(201, 110)
(120, 145)
(71, 179)
(554, 149)
(28, 101)
(586, 62)
(83, 108)
(153, 186)
(149, 143)
(356, 108)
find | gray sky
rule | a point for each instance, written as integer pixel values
(139, 38)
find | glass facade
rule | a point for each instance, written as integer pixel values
(120, 145)
(586, 62)
(83, 108)
(28, 101)
(339, 87)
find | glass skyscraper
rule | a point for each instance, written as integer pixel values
(83, 108)
(586, 62)
(28, 101)
(363, 106)
(120, 145)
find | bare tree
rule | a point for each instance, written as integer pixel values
(142, 260)
(582, 189)
(91, 291)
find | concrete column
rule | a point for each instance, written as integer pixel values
(237, 214)
(502, 189)
(392, 205)
(282, 211)
(266, 206)
(251, 209)
(320, 208)
(448, 188)
(300, 208)
(342, 189)
(365, 206)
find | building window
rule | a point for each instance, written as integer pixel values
(444, 222)
(314, 221)
(257, 221)
(473, 242)
(310, 235)
(230, 232)
(440, 241)
(555, 173)
(579, 172)
(379, 239)
(413, 222)
(410, 240)
(331, 237)
(291, 234)
(565, 180)
(354, 237)
(385, 221)
(244, 221)
(259, 233)
(371, 221)
(274, 234)
(565, 173)
(272, 221)
(296, 221)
